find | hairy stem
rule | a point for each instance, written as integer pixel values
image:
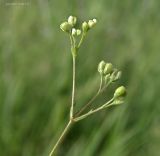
(61, 137)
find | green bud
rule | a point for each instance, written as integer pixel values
(85, 27)
(74, 32)
(66, 27)
(108, 68)
(116, 75)
(120, 92)
(101, 67)
(94, 20)
(92, 23)
(78, 32)
(72, 20)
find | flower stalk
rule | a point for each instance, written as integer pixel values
(73, 88)
(108, 75)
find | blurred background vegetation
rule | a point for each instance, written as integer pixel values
(36, 78)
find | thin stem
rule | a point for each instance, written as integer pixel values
(61, 137)
(101, 90)
(101, 83)
(108, 104)
(87, 105)
(73, 50)
(71, 39)
(73, 88)
(81, 40)
(74, 42)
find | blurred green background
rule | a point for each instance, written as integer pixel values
(36, 78)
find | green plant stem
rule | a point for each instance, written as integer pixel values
(73, 51)
(76, 119)
(101, 83)
(108, 104)
(101, 90)
(71, 40)
(81, 40)
(61, 137)
(73, 88)
(87, 105)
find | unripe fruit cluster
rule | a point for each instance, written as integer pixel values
(88, 25)
(71, 22)
(67, 26)
(105, 68)
(109, 73)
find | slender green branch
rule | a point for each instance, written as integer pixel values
(81, 40)
(71, 39)
(73, 88)
(73, 97)
(61, 137)
(101, 83)
(109, 103)
(104, 88)
(73, 51)
(93, 98)
(87, 105)
(101, 90)
(74, 42)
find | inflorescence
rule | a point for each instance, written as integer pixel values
(108, 75)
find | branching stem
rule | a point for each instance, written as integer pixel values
(77, 117)
(108, 104)
(101, 90)
(73, 51)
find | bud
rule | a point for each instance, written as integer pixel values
(94, 20)
(85, 27)
(101, 67)
(92, 23)
(66, 27)
(108, 68)
(116, 75)
(78, 32)
(72, 20)
(74, 32)
(113, 75)
(120, 92)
